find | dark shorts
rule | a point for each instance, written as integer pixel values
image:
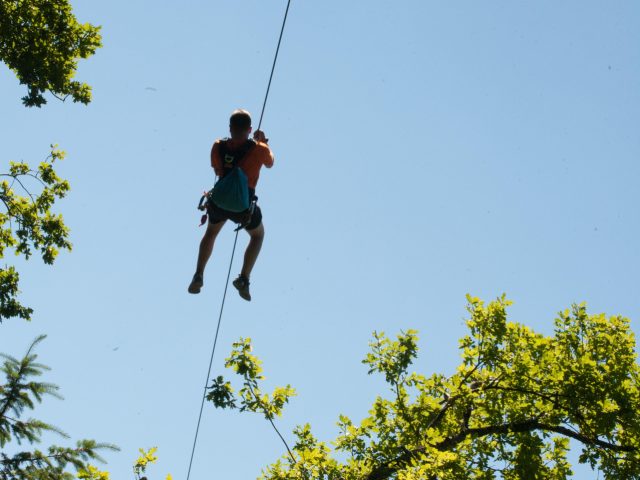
(217, 215)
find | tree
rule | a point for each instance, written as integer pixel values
(28, 223)
(42, 41)
(20, 393)
(509, 410)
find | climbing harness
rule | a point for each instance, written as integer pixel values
(231, 191)
(233, 251)
(246, 218)
(231, 159)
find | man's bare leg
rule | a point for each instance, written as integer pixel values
(253, 250)
(206, 245)
(250, 257)
(204, 253)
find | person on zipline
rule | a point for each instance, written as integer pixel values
(249, 155)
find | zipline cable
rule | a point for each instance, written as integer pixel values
(275, 59)
(213, 350)
(233, 251)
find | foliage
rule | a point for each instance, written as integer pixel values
(41, 41)
(92, 473)
(146, 457)
(27, 223)
(21, 392)
(250, 397)
(509, 410)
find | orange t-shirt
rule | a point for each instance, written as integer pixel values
(251, 163)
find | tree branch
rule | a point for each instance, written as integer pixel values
(387, 469)
(528, 426)
(268, 416)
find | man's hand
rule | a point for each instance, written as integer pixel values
(259, 136)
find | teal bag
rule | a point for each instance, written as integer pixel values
(231, 192)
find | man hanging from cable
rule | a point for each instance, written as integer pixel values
(237, 162)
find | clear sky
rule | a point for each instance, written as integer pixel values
(424, 150)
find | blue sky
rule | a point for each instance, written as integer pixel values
(424, 150)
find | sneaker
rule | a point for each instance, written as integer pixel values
(196, 284)
(242, 285)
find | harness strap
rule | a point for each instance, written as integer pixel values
(231, 159)
(252, 208)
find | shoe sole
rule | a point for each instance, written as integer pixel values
(194, 287)
(243, 294)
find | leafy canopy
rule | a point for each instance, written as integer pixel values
(41, 41)
(28, 224)
(250, 397)
(509, 411)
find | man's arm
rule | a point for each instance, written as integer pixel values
(268, 158)
(216, 161)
